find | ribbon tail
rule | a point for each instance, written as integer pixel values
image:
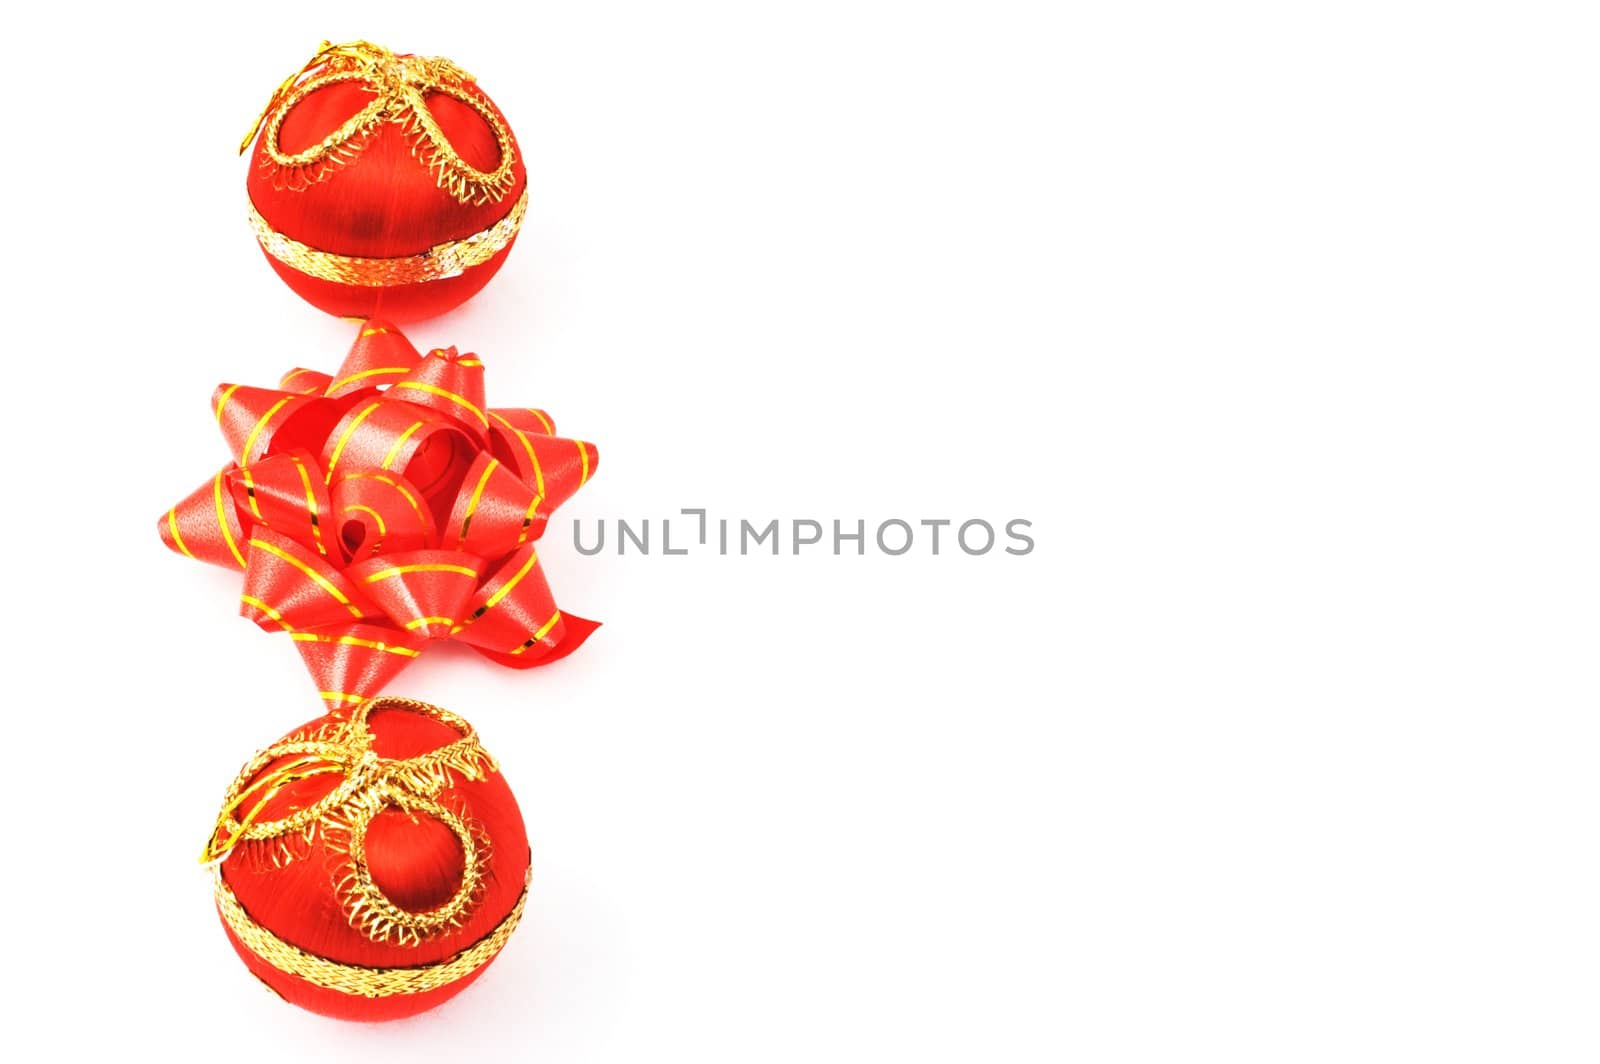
(578, 630)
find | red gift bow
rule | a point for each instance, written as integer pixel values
(386, 507)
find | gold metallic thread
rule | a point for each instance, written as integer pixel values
(369, 784)
(356, 979)
(399, 84)
(449, 259)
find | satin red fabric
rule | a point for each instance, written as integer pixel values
(382, 204)
(414, 860)
(386, 507)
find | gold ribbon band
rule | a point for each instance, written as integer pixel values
(450, 259)
(353, 978)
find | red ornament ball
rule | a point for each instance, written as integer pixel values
(384, 185)
(369, 866)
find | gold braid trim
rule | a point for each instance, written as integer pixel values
(370, 784)
(353, 978)
(449, 259)
(399, 84)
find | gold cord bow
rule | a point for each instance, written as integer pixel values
(370, 784)
(399, 84)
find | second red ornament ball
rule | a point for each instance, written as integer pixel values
(383, 184)
(369, 866)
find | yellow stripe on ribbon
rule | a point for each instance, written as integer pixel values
(320, 580)
(250, 491)
(226, 395)
(527, 519)
(172, 523)
(434, 389)
(283, 381)
(502, 592)
(311, 504)
(416, 507)
(344, 438)
(423, 622)
(549, 429)
(540, 634)
(394, 452)
(251, 600)
(505, 588)
(222, 520)
(353, 641)
(583, 452)
(340, 696)
(250, 440)
(383, 530)
(336, 385)
(477, 495)
(430, 567)
(533, 459)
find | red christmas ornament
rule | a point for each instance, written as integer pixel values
(369, 867)
(384, 184)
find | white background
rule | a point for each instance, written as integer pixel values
(1277, 320)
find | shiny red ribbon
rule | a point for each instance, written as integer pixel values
(384, 508)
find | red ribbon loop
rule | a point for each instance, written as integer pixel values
(385, 507)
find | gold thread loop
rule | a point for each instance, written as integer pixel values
(400, 84)
(370, 784)
(366, 902)
(281, 93)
